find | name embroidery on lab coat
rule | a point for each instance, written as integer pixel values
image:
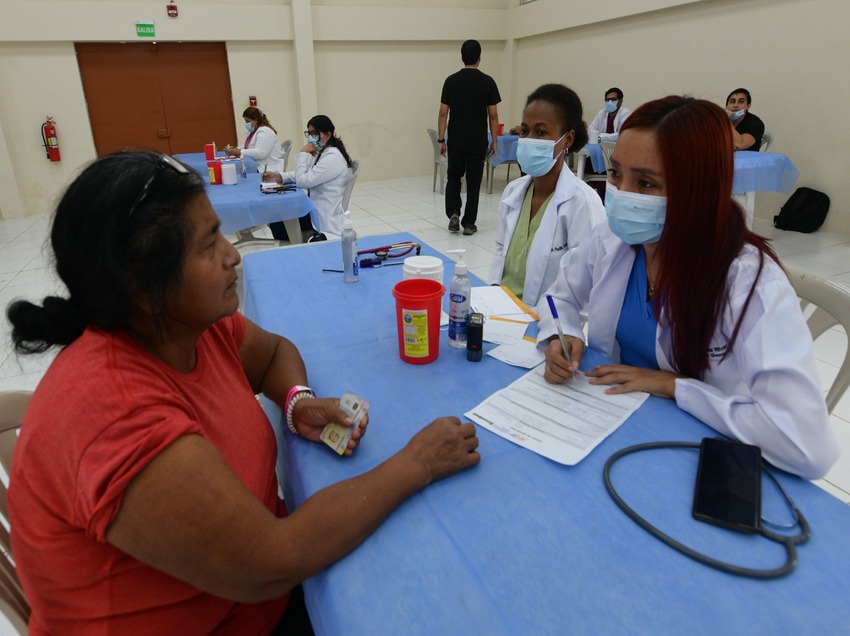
(717, 352)
(560, 248)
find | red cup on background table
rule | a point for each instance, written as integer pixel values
(209, 151)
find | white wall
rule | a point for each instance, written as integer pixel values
(379, 69)
(791, 54)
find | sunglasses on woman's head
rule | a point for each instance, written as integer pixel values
(164, 161)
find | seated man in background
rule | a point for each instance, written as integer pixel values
(606, 125)
(747, 129)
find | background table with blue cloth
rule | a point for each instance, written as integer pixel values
(243, 206)
(763, 171)
(505, 153)
(519, 544)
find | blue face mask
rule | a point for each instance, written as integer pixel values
(249, 126)
(737, 115)
(316, 141)
(535, 156)
(611, 105)
(636, 218)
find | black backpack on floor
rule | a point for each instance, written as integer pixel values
(804, 211)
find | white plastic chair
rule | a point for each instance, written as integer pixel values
(346, 197)
(440, 162)
(13, 603)
(766, 140)
(607, 148)
(832, 302)
(286, 146)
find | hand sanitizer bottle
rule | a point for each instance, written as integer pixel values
(242, 166)
(349, 249)
(460, 289)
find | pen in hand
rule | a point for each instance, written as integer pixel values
(265, 169)
(560, 332)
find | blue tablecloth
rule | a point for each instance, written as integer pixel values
(596, 158)
(763, 171)
(505, 150)
(243, 206)
(519, 544)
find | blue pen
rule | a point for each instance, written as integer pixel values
(560, 332)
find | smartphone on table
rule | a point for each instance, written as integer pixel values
(728, 484)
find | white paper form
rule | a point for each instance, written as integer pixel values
(496, 301)
(562, 422)
(523, 353)
(504, 330)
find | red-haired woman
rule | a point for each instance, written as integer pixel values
(689, 303)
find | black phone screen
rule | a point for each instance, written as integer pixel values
(728, 485)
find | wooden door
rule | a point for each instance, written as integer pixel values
(169, 97)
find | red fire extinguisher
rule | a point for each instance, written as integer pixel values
(49, 140)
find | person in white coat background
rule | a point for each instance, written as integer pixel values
(323, 167)
(689, 303)
(550, 210)
(608, 121)
(262, 144)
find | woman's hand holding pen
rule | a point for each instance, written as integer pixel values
(311, 416)
(233, 152)
(558, 368)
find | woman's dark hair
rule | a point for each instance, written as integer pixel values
(119, 231)
(568, 105)
(704, 229)
(255, 114)
(323, 124)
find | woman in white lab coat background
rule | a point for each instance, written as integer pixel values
(550, 210)
(262, 144)
(324, 168)
(688, 302)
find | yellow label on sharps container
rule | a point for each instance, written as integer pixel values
(415, 325)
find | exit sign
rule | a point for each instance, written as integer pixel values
(145, 29)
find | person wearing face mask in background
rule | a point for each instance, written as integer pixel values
(549, 210)
(747, 129)
(688, 303)
(606, 127)
(261, 144)
(323, 167)
(608, 121)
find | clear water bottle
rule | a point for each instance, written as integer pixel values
(350, 266)
(242, 167)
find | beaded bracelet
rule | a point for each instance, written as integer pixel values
(295, 394)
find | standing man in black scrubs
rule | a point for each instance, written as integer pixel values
(471, 97)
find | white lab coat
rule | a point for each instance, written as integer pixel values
(570, 215)
(600, 123)
(265, 150)
(326, 179)
(766, 392)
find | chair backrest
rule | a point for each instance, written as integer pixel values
(346, 197)
(832, 307)
(433, 135)
(13, 404)
(286, 146)
(766, 140)
(607, 148)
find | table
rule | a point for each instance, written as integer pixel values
(763, 171)
(505, 153)
(597, 160)
(519, 544)
(242, 206)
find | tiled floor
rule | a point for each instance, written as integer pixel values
(409, 205)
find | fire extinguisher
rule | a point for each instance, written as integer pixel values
(49, 140)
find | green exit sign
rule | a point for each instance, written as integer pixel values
(145, 29)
